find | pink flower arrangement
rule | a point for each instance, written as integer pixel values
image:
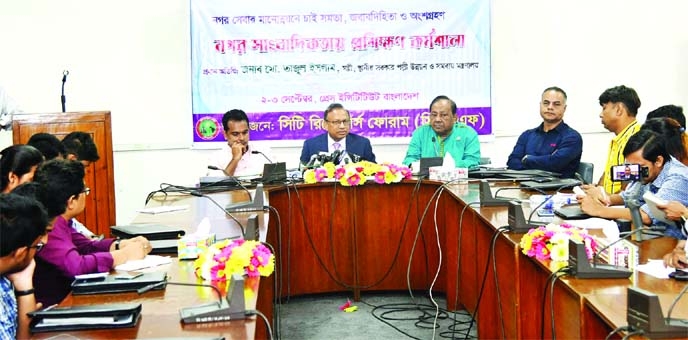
(228, 257)
(551, 241)
(353, 174)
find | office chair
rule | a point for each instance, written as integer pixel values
(585, 172)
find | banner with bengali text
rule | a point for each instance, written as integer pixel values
(285, 62)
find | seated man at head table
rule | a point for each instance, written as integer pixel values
(619, 110)
(444, 135)
(337, 138)
(70, 253)
(23, 224)
(237, 157)
(553, 145)
(667, 179)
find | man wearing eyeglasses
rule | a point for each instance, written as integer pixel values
(70, 253)
(23, 224)
(444, 135)
(338, 138)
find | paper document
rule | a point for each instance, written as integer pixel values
(147, 262)
(655, 268)
(163, 209)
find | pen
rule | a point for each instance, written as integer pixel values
(49, 307)
(604, 195)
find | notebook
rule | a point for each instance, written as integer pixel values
(100, 316)
(571, 212)
(115, 284)
(149, 231)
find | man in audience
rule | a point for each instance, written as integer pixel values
(23, 224)
(553, 145)
(667, 179)
(237, 157)
(70, 253)
(619, 109)
(48, 145)
(338, 138)
(669, 111)
(80, 146)
(444, 135)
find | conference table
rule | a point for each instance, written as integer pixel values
(392, 237)
(373, 237)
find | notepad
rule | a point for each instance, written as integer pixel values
(163, 209)
(146, 262)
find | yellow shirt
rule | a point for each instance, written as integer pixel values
(615, 156)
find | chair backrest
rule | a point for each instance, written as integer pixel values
(585, 171)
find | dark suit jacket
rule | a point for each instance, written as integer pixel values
(355, 144)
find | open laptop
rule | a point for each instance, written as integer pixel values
(428, 162)
(273, 173)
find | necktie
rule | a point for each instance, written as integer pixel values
(336, 145)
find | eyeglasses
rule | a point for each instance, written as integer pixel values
(38, 246)
(339, 122)
(86, 191)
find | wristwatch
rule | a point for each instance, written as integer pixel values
(23, 292)
(117, 244)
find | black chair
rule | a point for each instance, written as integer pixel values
(585, 172)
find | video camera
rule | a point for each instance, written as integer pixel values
(629, 172)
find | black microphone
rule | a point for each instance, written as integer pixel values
(212, 167)
(255, 152)
(434, 145)
(198, 194)
(63, 98)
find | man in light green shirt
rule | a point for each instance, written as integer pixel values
(444, 134)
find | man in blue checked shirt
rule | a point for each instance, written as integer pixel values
(667, 179)
(553, 145)
(23, 223)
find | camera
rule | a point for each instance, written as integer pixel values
(628, 172)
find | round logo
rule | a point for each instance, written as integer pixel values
(208, 128)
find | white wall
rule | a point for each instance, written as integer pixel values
(132, 57)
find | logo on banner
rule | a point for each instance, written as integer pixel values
(208, 128)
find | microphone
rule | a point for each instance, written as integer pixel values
(237, 181)
(198, 194)
(434, 145)
(486, 198)
(517, 222)
(63, 98)
(212, 167)
(634, 205)
(645, 312)
(315, 159)
(255, 152)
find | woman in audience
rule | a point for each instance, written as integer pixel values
(18, 163)
(674, 135)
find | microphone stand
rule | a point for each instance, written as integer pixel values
(63, 98)
(255, 152)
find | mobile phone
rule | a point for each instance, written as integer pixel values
(545, 212)
(679, 275)
(628, 172)
(127, 276)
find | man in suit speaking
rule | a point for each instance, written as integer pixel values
(337, 138)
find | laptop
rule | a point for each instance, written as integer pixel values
(571, 212)
(548, 183)
(428, 162)
(273, 173)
